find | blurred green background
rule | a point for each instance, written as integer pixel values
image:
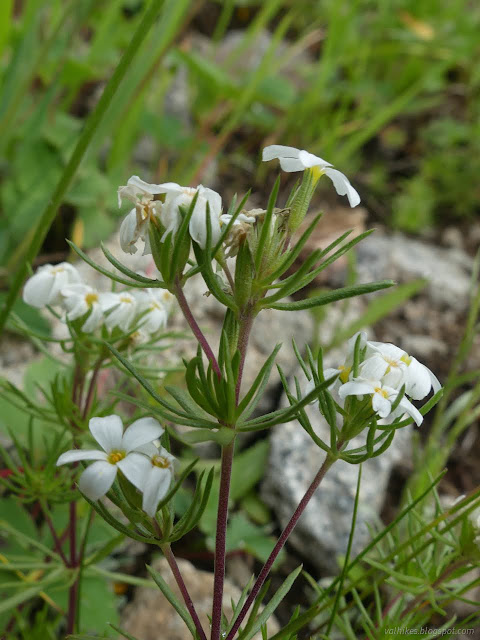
(385, 90)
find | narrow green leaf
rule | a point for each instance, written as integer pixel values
(147, 282)
(172, 598)
(332, 296)
(272, 605)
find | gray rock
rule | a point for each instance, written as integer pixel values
(149, 616)
(322, 532)
(403, 259)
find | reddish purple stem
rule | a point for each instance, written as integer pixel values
(280, 544)
(172, 562)
(182, 301)
(221, 538)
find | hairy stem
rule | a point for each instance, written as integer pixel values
(172, 563)
(221, 538)
(197, 332)
(280, 544)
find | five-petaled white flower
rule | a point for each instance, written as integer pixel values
(120, 451)
(154, 473)
(178, 196)
(135, 224)
(44, 287)
(383, 397)
(292, 159)
(396, 368)
(154, 304)
(122, 308)
(80, 299)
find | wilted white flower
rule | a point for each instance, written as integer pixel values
(122, 308)
(154, 302)
(120, 451)
(238, 231)
(135, 224)
(80, 299)
(383, 397)
(396, 368)
(178, 196)
(155, 473)
(44, 287)
(292, 159)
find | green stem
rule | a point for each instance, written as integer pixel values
(78, 154)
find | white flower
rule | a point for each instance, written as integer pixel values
(383, 397)
(155, 473)
(80, 299)
(178, 196)
(395, 367)
(135, 224)
(292, 159)
(44, 286)
(122, 309)
(120, 451)
(154, 302)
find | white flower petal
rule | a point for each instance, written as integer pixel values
(37, 289)
(97, 479)
(279, 151)
(129, 233)
(309, 160)
(374, 368)
(80, 454)
(291, 164)
(381, 405)
(418, 381)
(135, 467)
(156, 487)
(107, 432)
(141, 432)
(412, 411)
(357, 388)
(198, 223)
(94, 320)
(342, 186)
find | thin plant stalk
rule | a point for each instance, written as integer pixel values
(172, 563)
(189, 317)
(221, 537)
(262, 576)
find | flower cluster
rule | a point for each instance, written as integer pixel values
(167, 212)
(61, 285)
(148, 467)
(383, 371)
(162, 204)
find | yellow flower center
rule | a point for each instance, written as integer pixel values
(56, 270)
(381, 391)
(116, 456)
(161, 461)
(91, 298)
(126, 299)
(345, 373)
(317, 172)
(406, 359)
